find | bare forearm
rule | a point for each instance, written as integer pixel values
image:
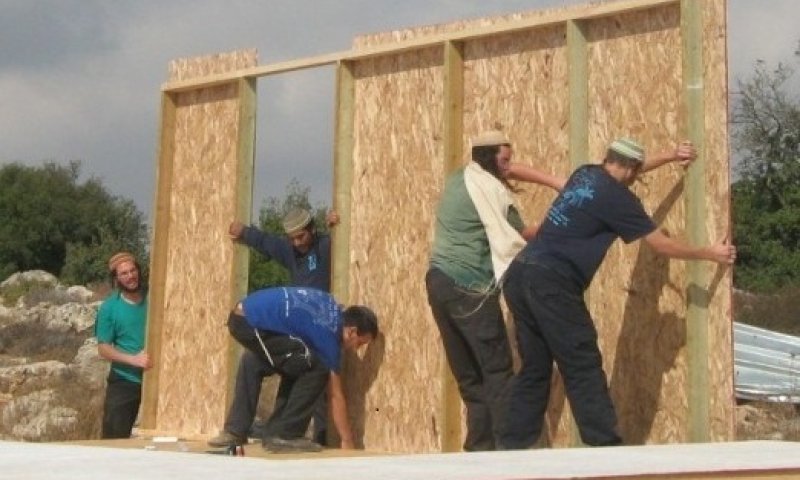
(651, 162)
(526, 173)
(109, 352)
(684, 154)
(722, 252)
(338, 408)
(340, 421)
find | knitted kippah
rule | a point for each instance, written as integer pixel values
(628, 148)
(490, 138)
(297, 219)
(118, 258)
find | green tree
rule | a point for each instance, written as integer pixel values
(766, 194)
(54, 223)
(266, 273)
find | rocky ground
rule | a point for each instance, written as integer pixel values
(52, 380)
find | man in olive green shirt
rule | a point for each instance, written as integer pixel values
(478, 231)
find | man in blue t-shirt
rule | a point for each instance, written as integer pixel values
(297, 333)
(546, 282)
(120, 332)
(306, 255)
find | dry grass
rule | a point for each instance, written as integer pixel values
(767, 421)
(36, 343)
(777, 311)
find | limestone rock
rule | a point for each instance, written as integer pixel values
(31, 276)
(36, 416)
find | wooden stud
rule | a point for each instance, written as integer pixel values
(453, 118)
(342, 179)
(244, 209)
(697, 295)
(578, 122)
(155, 302)
(578, 94)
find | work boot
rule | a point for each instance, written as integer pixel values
(227, 439)
(287, 445)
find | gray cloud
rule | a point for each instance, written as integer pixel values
(80, 79)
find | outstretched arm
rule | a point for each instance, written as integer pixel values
(684, 154)
(338, 407)
(722, 252)
(526, 173)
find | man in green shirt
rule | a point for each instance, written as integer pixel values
(120, 332)
(478, 232)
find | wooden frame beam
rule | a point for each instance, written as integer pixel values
(245, 152)
(578, 94)
(577, 58)
(502, 28)
(453, 119)
(343, 179)
(166, 154)
(697, 293)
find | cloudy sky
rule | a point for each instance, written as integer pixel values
(80, 79)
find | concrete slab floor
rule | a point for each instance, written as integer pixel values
(35, 461)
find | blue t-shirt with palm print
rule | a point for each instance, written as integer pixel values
(592, 211)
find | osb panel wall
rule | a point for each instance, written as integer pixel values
(638, 298)
(720, 333)
(202, 201)
(397, 171)
(519, 83)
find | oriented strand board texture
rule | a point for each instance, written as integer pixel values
(519, 82)
(199, 256)
(638, 299)
(397, 174)
(720, 333)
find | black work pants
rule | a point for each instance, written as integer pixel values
(303, 379)
(553, 324)
(477, 350)
(121, 406)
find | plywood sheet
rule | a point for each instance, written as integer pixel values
(397, 173)
(519, 82)
(195, 253)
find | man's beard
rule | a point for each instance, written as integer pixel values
(126, 289)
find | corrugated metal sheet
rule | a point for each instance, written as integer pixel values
(766, 364)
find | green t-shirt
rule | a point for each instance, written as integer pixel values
(122, 324)
(460, 245)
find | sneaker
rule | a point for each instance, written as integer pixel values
(227, 439)
(284, 445)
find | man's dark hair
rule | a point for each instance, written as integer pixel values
(361, 317)
(485, 157)
(613, 156)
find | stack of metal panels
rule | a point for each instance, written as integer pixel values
(766, 364)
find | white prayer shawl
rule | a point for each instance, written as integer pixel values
(492, 200)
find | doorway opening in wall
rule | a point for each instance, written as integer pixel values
(293, 165)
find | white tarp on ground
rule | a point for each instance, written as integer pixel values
(43, 461)
(767, 364)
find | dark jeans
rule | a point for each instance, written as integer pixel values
(121, 406)
(553, 324)
(477, 349)
(303, 379)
